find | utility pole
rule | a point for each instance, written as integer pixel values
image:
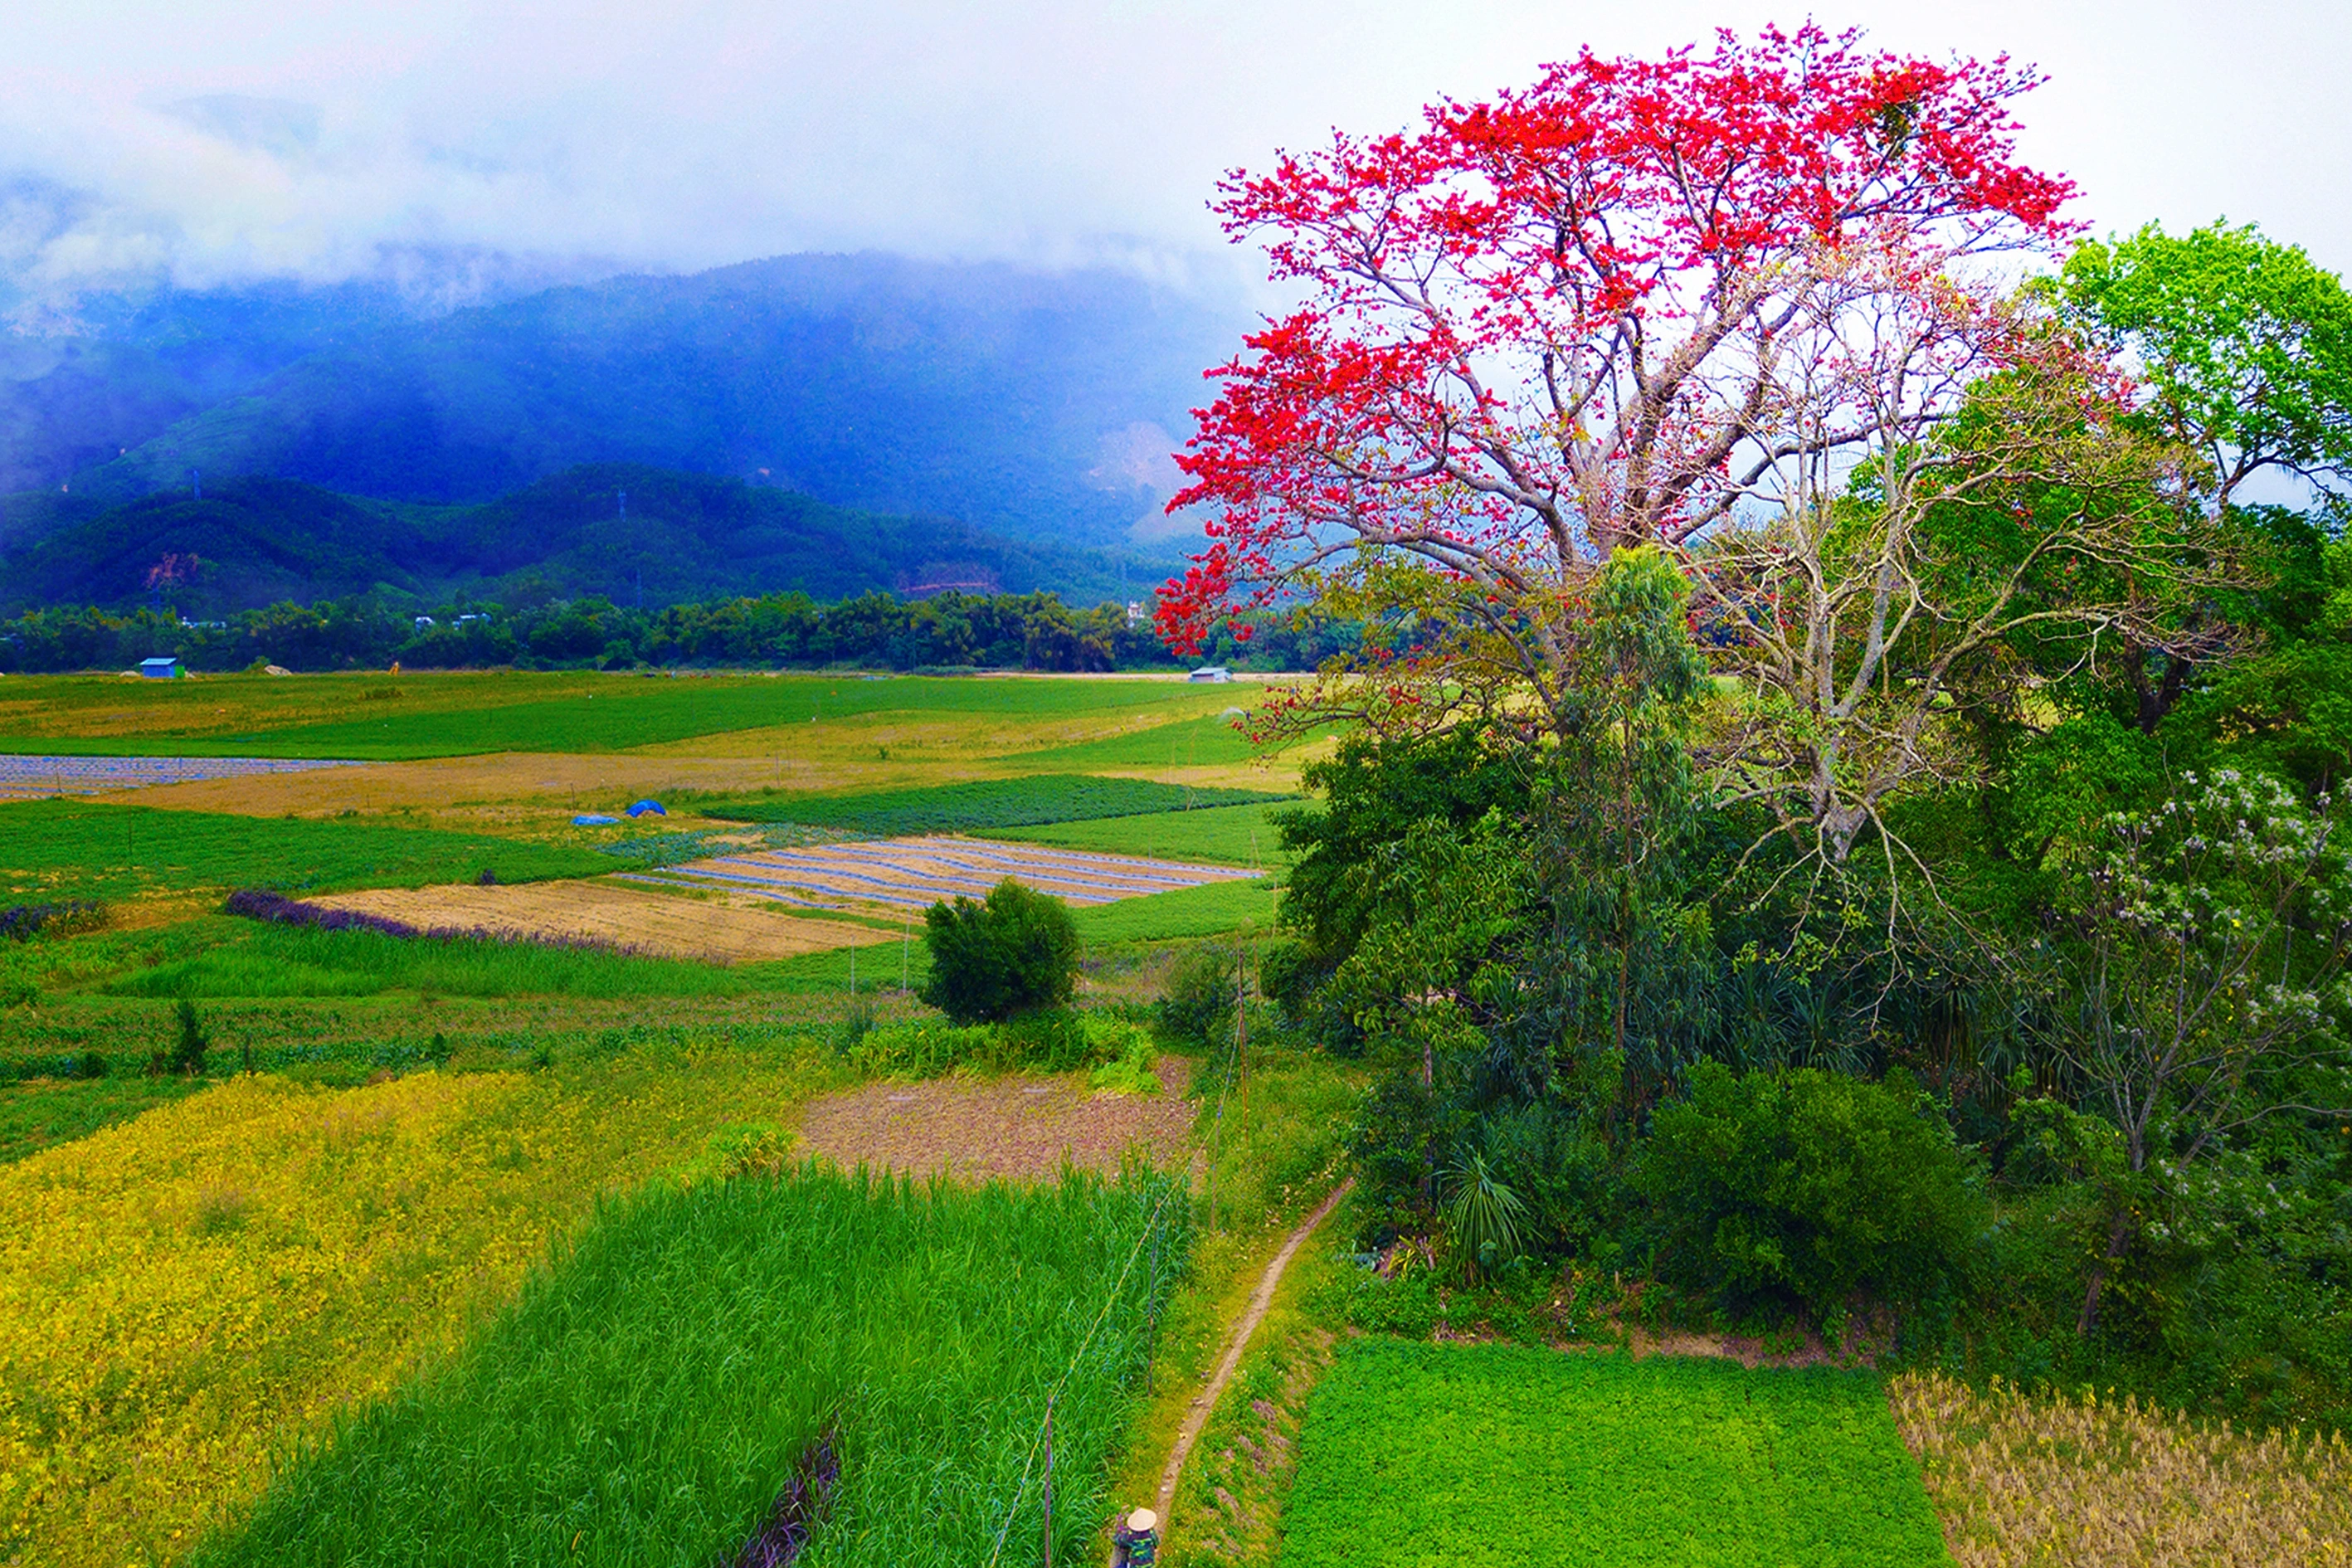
(1049, 1481)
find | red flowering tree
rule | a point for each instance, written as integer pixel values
(1689, 302)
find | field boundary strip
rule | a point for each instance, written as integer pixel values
(40, 778)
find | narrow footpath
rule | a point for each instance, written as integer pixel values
(1206, 1400)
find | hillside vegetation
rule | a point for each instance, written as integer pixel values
(243, 543)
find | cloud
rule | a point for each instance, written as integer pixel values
(326, 139)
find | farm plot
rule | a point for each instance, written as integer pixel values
(630, 917)
(915, 873)
(652, 1397)
(92, 848)
(27, 778)
(1472, 1456)
(183, 1294)
(1016, 1128)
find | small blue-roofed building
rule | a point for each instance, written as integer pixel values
(160, 668)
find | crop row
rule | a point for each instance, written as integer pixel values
(986, 803)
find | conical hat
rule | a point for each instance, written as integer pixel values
(1141, 1520)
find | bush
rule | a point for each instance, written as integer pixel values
(185, 1057)
(1803, 1189)
(1197, 1003)
(1015, 952)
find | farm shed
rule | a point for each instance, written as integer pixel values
(160, 668)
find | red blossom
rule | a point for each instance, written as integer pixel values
(1570, 318)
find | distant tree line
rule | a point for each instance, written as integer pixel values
(953, 630)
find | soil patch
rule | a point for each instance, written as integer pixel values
(599, 911)
(914, 873)
(1016, 1128)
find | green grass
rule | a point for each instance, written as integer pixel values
(37, 1114)
(1208, 911)
(1207, 742)
(645, 1399)
(379, 717)
(266, 960)
(1217, 834)
(83, 848)
(987, 803)
(1491, 1455)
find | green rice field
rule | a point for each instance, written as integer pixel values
(90, 849)
(380, 717)
(646, 1399)
(1481, 1456)
(1213, 835)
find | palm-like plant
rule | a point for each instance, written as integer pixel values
(1482, 1216)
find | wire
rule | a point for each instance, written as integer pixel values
(1119, 1288)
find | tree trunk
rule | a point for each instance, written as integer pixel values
(2118, 1244)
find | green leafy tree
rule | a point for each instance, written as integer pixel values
(2202, 988)
(1015, 951)
(1804, 1188)
(2245, 344)
(1623, 805)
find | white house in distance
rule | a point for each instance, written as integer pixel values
(1210, 672)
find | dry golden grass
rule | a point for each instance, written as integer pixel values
(451, 792)
(2023, 1482)
(671, 924)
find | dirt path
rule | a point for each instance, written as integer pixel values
(1206, 1400)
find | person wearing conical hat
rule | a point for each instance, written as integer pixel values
(1136, 1542)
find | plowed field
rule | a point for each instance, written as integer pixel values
(914, 873)
(1018, 1128)
(603, 910)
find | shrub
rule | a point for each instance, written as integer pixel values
(1015, 952)
(185, 1057)
(1197, 1003)
(1802, 1189)
(20, 922)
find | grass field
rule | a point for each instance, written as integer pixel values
(182, 1293)
(261, 959)
(1468, 1455)
(645, 1402)
(1208, 910)
(79, 848)
(1216, 835)
(983, 805)
(380, 716)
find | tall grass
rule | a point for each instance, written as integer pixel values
(646, 1399)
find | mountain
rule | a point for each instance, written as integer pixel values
(1040, 406)
(252, 542)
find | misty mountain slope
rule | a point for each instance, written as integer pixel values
(124, 368)
(1030, 403)
(254, 541)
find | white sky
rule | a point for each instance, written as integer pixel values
(686, 135)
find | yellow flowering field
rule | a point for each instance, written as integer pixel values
(185, 1295)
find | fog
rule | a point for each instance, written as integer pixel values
(318, 140)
